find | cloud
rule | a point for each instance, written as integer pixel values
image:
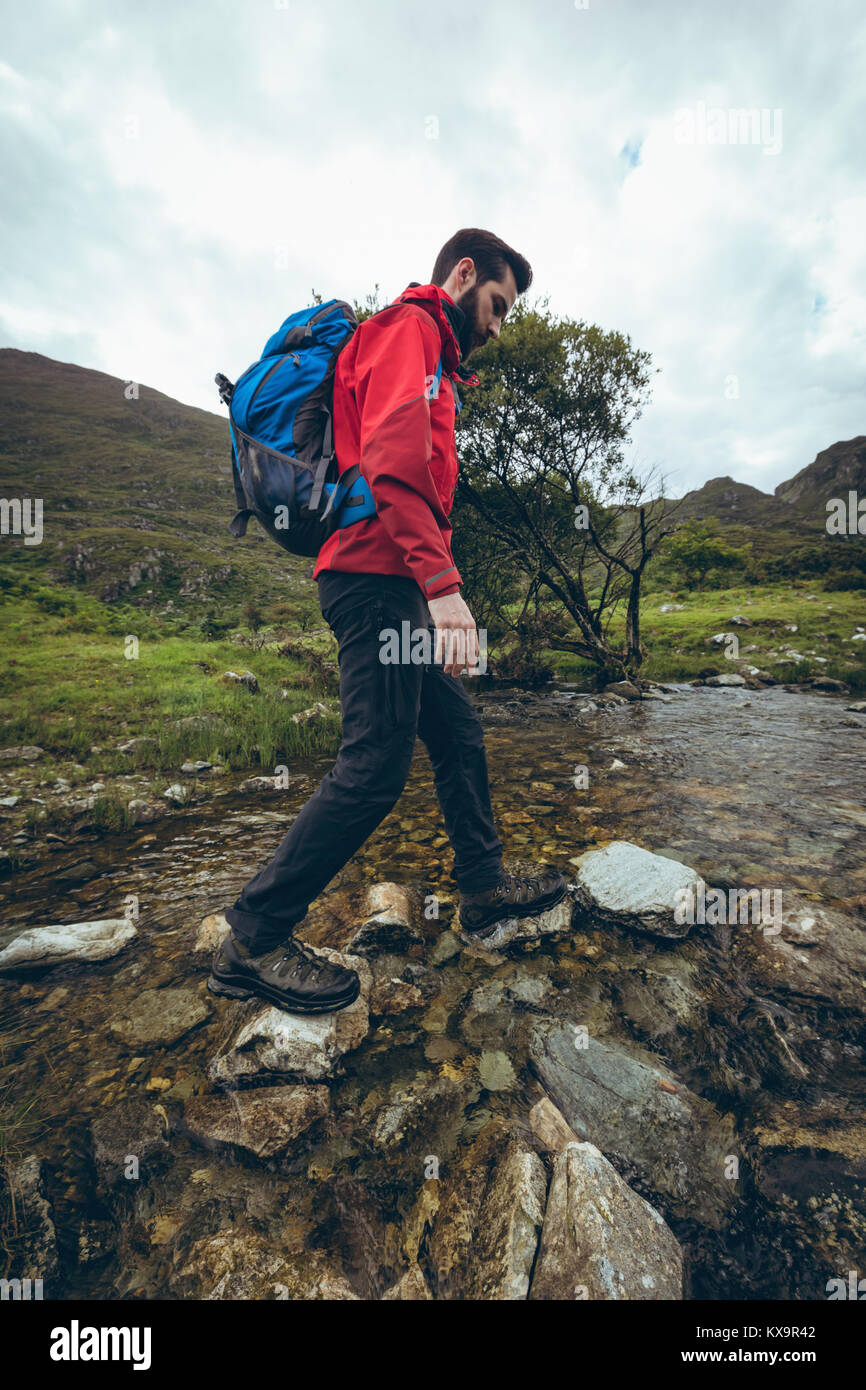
(183, 177)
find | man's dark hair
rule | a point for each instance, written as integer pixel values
(490, 254)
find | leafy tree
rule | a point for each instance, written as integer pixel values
(567, 528)
(696, 548)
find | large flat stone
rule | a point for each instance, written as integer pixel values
(600, 1239)
(673, 1143)
(266, 1122)
(626, 886)
(74, 941)
(304, 1047)
(158, 1017)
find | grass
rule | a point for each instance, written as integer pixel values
(677, 642)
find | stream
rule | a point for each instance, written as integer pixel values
(751, 788)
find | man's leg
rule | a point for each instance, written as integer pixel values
(379, 706)
(449, 726)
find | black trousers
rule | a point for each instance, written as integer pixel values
(384, 706)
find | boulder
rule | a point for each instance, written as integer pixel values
(75, 941)
(266, 1122)
(211, 931)
(23, 753)
(730, 678)
(244, 679)
(600, 1240)
(317, 711)
(306, 1047)
(661, 1136)
(626, 886)
(388, 921)
(554, 921)
(550, 1126)
(627, 689)
(410, 1288)
(177, 794)
(158, 1017)
(128, 1140)
(35, 1249)
(816, 953)
(237, 1264)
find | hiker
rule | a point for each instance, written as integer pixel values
(394, 414)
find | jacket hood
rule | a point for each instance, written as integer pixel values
(449, 318)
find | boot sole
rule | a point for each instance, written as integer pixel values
(227, 990)
(522, 910)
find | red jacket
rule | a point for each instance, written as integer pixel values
(403, 440)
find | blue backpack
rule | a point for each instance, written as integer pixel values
(283, 463)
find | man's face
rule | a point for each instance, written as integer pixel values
(485, 307)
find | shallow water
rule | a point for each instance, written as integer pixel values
(758, 789)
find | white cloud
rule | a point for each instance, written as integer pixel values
(283, 148)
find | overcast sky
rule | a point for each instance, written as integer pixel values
(178, 177)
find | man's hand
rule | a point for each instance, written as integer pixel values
(455, 631)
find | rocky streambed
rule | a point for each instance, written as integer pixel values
(606, 1101)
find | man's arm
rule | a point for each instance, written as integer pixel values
(393, 368)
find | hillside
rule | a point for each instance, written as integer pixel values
(833, 473)
(137, 494)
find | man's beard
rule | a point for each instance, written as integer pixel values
(469, 338)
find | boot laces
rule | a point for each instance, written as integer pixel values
(302, 958)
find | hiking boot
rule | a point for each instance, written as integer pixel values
(290, 976)
(514, 897)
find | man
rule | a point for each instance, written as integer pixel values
(394, 414)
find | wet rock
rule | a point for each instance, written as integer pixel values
(244, 679)
(662, 1136)
(394, 996)
(389, 921)
(266, 1122)
(129, 1142)
(447, 946)
(555, 920)
(412, 1110)
(808, 951)
(827, 683)
(260, 783)
(211, 931)
(241, 1264)
(479, 1226)
(510, 1221)
(177, 794)
(75, 941)
(412, 1287)
(158, 1017)
(600, 1240)
(730, 678)
(495, 1071)
(35, 1254)
(550, 1126)
(859, 707)
(23, 753)
(305, 1047)
(626, 886)
(627, 689)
